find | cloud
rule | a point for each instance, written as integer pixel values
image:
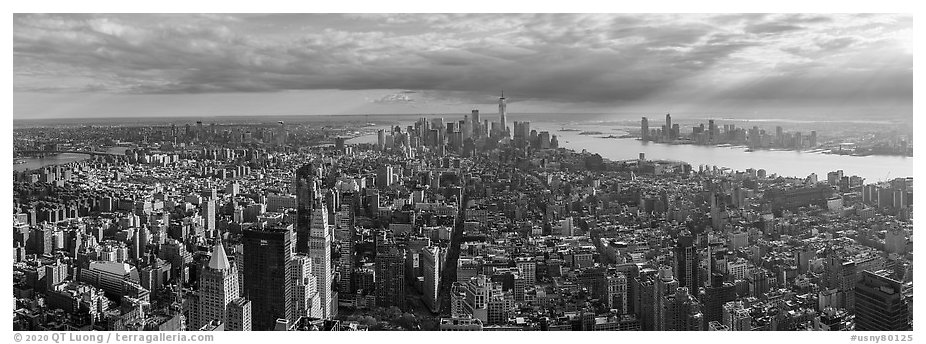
(463, 58)
(772, 28)
(401, 97)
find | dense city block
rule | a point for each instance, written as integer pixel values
(456, 224)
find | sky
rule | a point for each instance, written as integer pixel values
(125, 65)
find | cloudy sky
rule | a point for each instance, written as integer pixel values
(294, 64)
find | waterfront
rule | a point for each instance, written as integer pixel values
(784, 163)
(56, 159)
(32, 163)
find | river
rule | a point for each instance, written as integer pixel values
(784, 163)
(56, 159)
(59, 159)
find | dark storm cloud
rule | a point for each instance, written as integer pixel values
(564, 58)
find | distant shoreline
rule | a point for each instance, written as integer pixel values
(619, 116)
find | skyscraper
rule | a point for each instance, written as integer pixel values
(218, 286)
(668, 133)
(390, 274)
(681, 312)
(521, 131)
(879, 303)
(134, 245)
(43, 239)
(381, 139)
(665, 285)
(431, 264)
(527, 267)
(209, 215)
(502, 113)
(716, 295)
(477, 125)
(320, 252)
(466, 127)
(54, 274)
(282, 133)
(644, 129)
(385, 176)
(642, 289)
(304, 185)
(346, 267)
(267, 282)
(719, 214)
(687, 261)
(617, 292)
(305, 292)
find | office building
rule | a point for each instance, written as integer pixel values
(688, 261)
(665, 285)
(208, 214)
(390, 274)
(306, 300)
(238, 315)
(879, 303)
(55, 273)
(306, 198)
(267, 282)
(644, 129)
(527, 268)
(502, 114)
(320, 252)
(218, 286)
(431, 261)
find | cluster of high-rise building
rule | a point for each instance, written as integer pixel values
(464, 137)
(754, 137)
(457, 226)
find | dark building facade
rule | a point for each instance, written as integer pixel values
(879, 304)
(799, 197)
(267, 282)
(390, 275)
(304, 185)
(716, 296)
(687, 262)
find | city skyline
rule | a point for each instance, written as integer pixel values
(444, 226)
(461, 172)
(844, 66)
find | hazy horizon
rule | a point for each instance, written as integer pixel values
(538, 117)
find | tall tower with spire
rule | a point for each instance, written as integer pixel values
(320, 254)
(503, 112)
(218, 286)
